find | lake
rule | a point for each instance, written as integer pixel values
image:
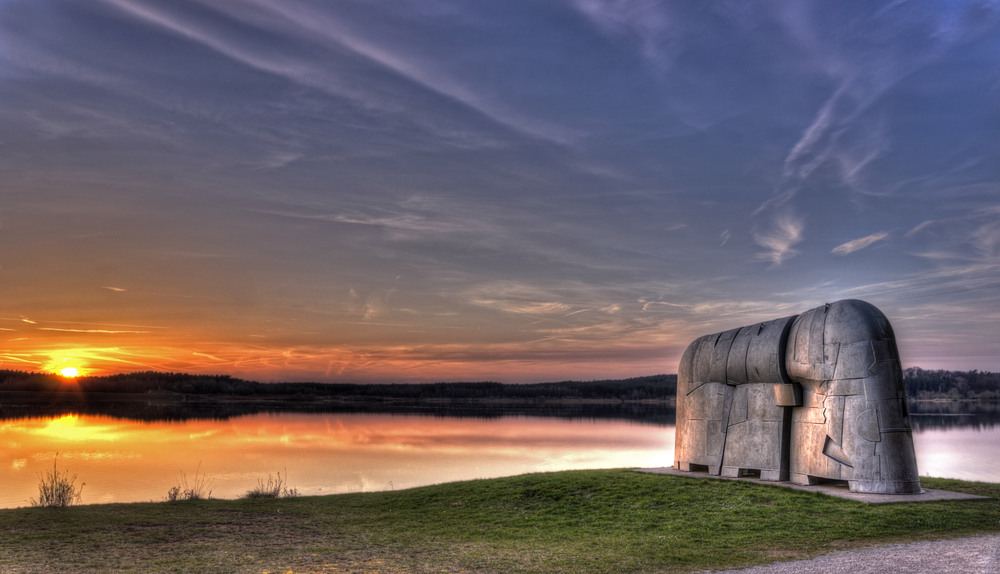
(123, 460)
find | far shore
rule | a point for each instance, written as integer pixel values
(166, 397)
(168, 405)
(170, 397)
(164, 405)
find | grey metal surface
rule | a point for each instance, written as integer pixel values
(807, 398)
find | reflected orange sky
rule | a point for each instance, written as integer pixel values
(123, 461)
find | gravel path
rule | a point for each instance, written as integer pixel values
(977, 555)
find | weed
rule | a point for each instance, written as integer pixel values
(199, 489)
(58, 490)
(273, 488)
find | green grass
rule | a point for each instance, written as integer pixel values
(576, 521)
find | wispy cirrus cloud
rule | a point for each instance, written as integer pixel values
(242, 49)
(399, 221)
(920, 227)
(103, 331)
(724, 237)
(834, 138)
(418, 70)
(283, 55)
(858, 244)
(403, 218)
(517, 298)
(946, 279)
(867, 58)
(986, 237)
(971, 236)
(646, 22)
(779, 240)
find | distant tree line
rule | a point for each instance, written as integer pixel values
(955, 385)
(920, 384)
(638, 388)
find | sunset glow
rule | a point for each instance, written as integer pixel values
(340, 192)
(69, 372)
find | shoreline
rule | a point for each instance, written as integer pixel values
(169, 406)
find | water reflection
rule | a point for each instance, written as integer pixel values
(140, 458)
(17, 405)
(928, 415)
(122, 460)
(965, 453)
(956, 439)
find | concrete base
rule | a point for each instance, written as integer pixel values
(927, 495)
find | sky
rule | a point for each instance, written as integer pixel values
(516, 191)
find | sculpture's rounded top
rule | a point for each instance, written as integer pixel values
(685, 369)
(853, 321)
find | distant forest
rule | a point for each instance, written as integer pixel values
(920, 384)
(638, 388)
(956, 385)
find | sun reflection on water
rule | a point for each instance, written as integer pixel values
(124, 460)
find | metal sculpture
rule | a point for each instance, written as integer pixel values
(807, 398)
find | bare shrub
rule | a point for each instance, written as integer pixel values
(273, 488)
(58, 490)
(198, 489)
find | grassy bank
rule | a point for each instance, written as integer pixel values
(575, 521)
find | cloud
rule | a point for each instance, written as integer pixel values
(644, 21)
(986, 239)
(397, 221)
(526, 299)
(971, 236)
(295, 21)
(405, 218)
(836, 138)
(920, 227)
(105, 331)
(418, 71)
(524, 307)
(242, 50)
(376, 305)
(858, 244)
(786, 232)
(973, 286)
(864, 61)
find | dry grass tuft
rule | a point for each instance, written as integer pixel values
(199, 489)
(58, 490)
(273, 488)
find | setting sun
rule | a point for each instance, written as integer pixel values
(69, 372)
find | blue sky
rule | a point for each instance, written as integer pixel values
(515, 191)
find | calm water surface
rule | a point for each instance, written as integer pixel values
(122, 460)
